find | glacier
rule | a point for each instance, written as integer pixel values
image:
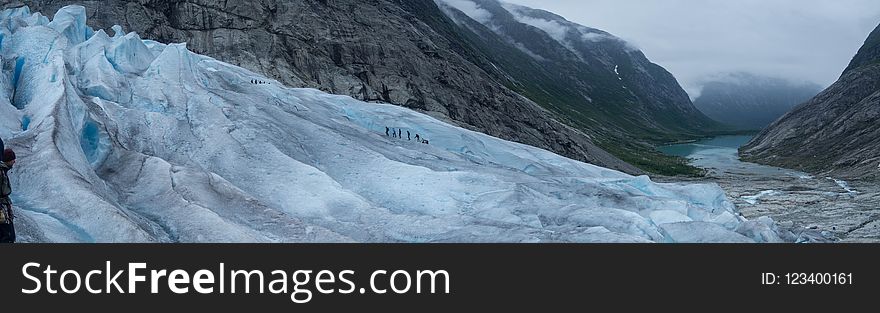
(122, 139)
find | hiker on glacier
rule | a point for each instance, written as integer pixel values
(7, 228)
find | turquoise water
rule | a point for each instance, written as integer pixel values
(688, 149)
(720, 155)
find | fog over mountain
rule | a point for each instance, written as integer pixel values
(797, 40)
(751, 102)
(836, 132)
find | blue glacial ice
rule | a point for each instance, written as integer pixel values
(130, 140)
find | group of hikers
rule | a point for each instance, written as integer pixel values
(258, 82)
(7, 216)
(399, 134)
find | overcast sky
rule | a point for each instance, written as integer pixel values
(799, 40)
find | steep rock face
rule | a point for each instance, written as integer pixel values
(401, 52)
(869, 53)
(836, 132)
(613, 84)
(751, 102)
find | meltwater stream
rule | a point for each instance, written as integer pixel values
(827, 207)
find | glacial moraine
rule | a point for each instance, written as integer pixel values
(822, 208)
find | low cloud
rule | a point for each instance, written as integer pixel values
(560, 31)
(798, 40)
(552, 28)
(597, 37)
(471, 9)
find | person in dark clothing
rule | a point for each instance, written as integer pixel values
(393, 133)
(407, 136)
(386, 131)
(399, 133)
(417, 138)
(7, 228)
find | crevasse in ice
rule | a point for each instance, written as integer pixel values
(128, 140)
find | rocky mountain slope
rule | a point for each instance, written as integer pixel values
(751, 102)
(835, 133)
(562, 88)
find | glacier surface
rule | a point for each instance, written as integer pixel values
(128, 140)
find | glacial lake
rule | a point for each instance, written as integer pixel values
(719, 155)
(828, 208)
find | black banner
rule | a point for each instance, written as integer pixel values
(369, 277)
